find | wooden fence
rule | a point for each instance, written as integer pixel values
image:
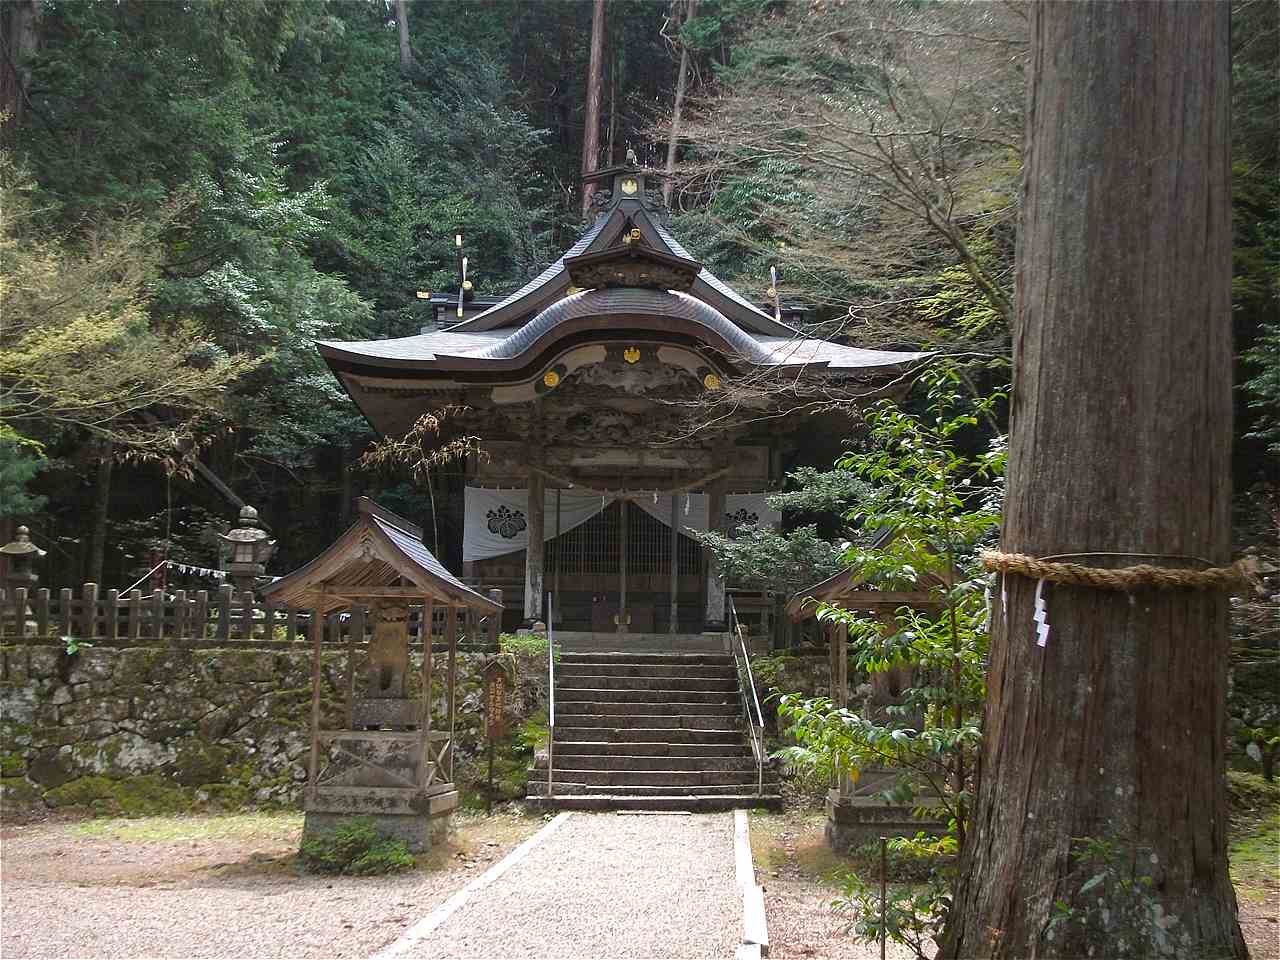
(158, 618)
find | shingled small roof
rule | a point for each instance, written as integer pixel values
(378, 553)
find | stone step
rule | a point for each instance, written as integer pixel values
(653, 748)
(575, 708)
(565, 787)
(723, 720)
(569, 671)
(623, 695)
(712, 659)
(693, 803)
(629, 761)
(661, 778)
(613, 682)
(648, 734)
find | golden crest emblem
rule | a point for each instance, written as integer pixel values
(711, 381)
(631, 354)
(551, 379)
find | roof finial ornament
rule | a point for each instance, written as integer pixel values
(464, 285)
(772, 292)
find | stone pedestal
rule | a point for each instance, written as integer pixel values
(854, 821)
(419, 830)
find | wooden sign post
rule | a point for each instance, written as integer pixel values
(495, 714)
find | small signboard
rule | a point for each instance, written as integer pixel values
(495, 700)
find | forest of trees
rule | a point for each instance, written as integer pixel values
(194, 193)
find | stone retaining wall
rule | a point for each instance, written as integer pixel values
(142, 730)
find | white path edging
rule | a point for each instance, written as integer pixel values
(428, 924)
(755, 930)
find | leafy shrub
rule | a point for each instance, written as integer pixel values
(355, 847)
(908, 860)
(526, 645)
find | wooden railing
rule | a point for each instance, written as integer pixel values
(157, 617)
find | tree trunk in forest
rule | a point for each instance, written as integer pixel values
(101, 505)
(668, 185)
(402, 25)
(1120, 442)
(18, 34)
(595, 90)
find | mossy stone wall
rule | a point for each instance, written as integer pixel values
(149, 730)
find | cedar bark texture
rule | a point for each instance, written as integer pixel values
(402, 28)
(595, 91)
(1120, 441)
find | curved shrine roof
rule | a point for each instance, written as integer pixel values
(508, 341)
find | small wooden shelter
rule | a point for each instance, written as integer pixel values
(389, 757)
(854, 814)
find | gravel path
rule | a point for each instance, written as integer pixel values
(65, 895)
(608, 885)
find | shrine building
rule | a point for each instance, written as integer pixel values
(622, 398)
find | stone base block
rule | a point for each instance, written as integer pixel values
(853, 821)
(419, 831)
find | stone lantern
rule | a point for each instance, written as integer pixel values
(250, 549)
(22, 553)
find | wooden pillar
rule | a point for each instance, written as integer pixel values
(840, 637)
(428, 623)
(623, 503)
(554, 612)
(351, 665)
(715, 582)
(451, 632)
(534, 554)
(674, 626)
(317, 633)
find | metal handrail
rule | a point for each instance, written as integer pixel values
(744, 665)
(551, 696)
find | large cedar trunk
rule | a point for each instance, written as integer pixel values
(1121, 431)
(595, 91)
(19, 36)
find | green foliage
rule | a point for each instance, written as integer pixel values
(79, 350)
(531, 646)
(533, 734)
(356, 848)
(816, 492)
(912, 911)
(1113, 899)
(934, 503)
(758, 556)
(20, 463)
(72, 645)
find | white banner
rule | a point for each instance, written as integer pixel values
(497, 521)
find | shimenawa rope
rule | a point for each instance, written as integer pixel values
(1242, 574)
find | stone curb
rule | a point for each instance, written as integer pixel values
(755, 929)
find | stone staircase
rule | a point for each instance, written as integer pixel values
(650, 731)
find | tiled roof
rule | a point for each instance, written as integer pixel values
(417, 551)
(627, 300)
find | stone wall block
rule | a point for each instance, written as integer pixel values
(43, 662)
(18, 703)
(91, 665)
(14, 668)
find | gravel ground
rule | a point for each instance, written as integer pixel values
(608, 885)
(68, 893)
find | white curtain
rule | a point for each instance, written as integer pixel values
(497, 521)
